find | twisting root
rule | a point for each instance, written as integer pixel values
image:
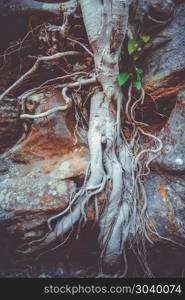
(44, 114)
(116, 164)
(35, 67)
(43, 86)
(52, 110)
(82, 45)
(114, 169)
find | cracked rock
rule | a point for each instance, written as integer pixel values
(172, 156)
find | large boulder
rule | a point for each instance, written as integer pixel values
(43, 172)
(165, 195)
(167, 52)
(164, 83)
(172, 156)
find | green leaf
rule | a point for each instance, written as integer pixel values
(136, 56)
(137, 84)
(123, 77)
(139, 70)
(145, 38)
(132, 46)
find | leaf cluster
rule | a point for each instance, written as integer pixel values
(133, 50)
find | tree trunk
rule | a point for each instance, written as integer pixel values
(31, 6)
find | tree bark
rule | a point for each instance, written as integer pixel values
(31, 6)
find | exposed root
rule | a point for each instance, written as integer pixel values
(80, 83)
(35, 67)
(117, 164)
(82, 45)
(46, 113)
(52, 110)
(114, 169)
(153, 230)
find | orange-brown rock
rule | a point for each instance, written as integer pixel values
(46, 170)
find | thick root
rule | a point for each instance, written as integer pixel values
(115, 163)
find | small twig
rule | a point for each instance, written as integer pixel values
(62, 77)
(159, 21)
(77, 84)
(41, 6)
(44, 114)
(35, 67)
(13, 51)
(83, 82)
(19, 45)
(52, 110)
(82, 45)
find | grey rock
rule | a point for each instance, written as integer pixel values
(5, 215)
(164, 7)
(167, 55)
(172, 156)
(28, 196)
(160, 8)
(27, 188)
(166, 194)
(38, 180)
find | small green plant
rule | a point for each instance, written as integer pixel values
(123, 77)
(132, 53)
(134, 48)
(145, 38)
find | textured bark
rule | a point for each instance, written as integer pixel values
(30, 6)
(120, 216)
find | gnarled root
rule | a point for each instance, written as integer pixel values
(115, 163)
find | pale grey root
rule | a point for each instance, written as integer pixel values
(113, 168)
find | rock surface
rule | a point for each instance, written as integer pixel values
(166, 194)
(43, 173)
(172, 156)
(164, 83)
(167, 54)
